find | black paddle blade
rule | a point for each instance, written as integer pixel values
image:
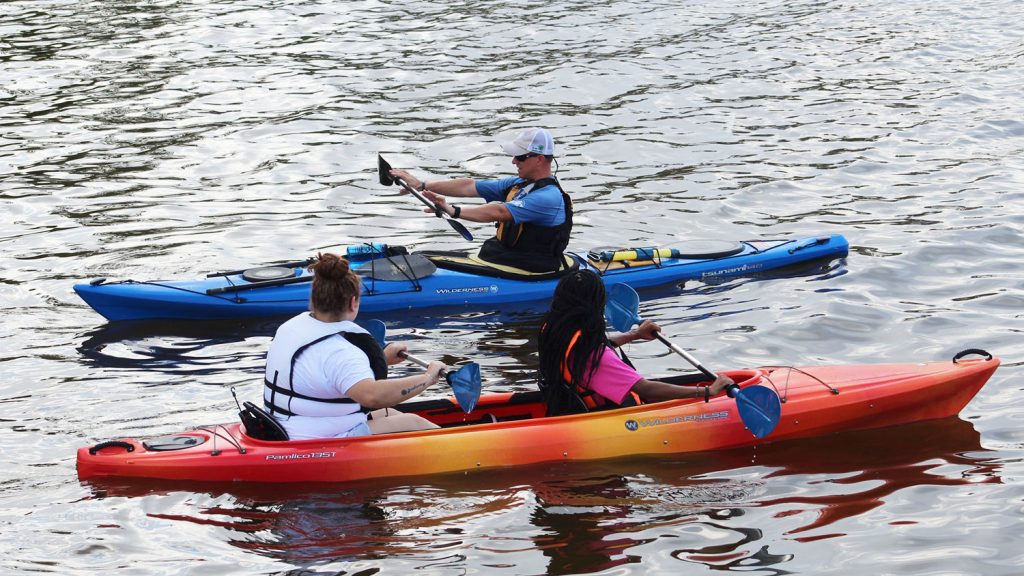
(384, 171)
(458, 227)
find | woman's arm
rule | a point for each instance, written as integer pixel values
(645, 331)
(374, 394)
(657, 391)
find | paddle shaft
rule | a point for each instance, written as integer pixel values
(465, 381)
(685, 354)
(384, 170)
(420, 362)
(758, 407)
(455, 224)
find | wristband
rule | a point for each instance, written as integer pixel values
(423, 186)
(456, 212)
(707, 393)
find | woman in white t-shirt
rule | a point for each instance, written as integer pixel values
(324, 372)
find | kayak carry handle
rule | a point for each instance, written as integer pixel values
(813, 242)
(970, 351)
(111, 444)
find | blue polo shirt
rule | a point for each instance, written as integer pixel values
(540, 206)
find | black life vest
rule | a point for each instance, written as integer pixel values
(529, 246)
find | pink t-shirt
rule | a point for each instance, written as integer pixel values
(613, 378)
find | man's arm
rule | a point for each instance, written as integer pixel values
(458, 187)
(490, 212)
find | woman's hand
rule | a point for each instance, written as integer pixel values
(720, 384)
(434, 372)
(646, 330)
(394, 353)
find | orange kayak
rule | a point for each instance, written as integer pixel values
(510, 429)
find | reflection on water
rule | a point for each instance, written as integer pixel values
(728, 511)
(165, 139)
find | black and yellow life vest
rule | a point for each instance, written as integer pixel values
(529, 246)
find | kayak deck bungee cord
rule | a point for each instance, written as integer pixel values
(394, 279)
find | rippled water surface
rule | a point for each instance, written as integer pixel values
(166, 139)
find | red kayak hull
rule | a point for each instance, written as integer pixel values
(510, 429)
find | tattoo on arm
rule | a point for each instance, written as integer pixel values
(405, 392)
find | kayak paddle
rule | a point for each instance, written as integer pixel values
(465, 381)
(759, 406)
(384, 172)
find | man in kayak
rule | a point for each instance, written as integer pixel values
(578, 364)
(324, 372)
(532, 213)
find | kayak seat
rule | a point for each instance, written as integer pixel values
(561, 400)
(260, 425)
(470, 263)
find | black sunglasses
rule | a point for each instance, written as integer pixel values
(525, 157)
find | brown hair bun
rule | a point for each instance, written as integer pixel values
(330, 266)
(334, 284)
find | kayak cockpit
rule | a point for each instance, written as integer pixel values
(490, 409)
(444, 412)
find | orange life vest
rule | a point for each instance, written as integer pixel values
(592, 400)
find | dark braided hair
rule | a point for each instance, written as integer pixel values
(578, 305)
(334, 284)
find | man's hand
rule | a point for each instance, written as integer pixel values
(440, 201)
(407, 178)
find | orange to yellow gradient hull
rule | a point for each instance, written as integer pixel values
(510, 429)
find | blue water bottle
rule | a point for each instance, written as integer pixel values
(366, 251)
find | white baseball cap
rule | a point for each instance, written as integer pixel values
(531, 140)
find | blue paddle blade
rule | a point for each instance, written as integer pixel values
(465, 383)
(622, 307)
(377, 329)
(759, 408)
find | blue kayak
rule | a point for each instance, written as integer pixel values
(395, 280)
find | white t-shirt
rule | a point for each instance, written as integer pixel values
(326, 369)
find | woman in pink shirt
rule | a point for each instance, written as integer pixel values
(578, 360)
